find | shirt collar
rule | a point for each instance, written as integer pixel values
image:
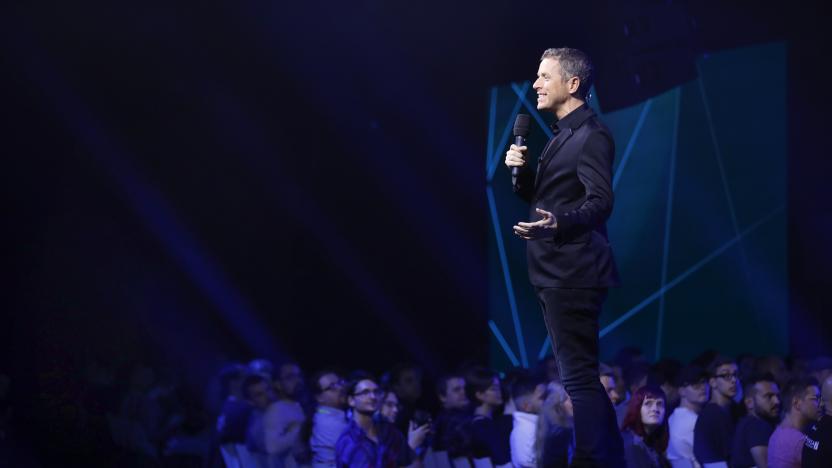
(573, 119)
(525, 417)
(330, 410)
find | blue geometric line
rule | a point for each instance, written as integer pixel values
(718, 154)
(632, 142)
(722, 175)
(518, 329)
(547, 345)
(696, 267)
(495, 158)
(503, 343)
(667, 221)
(533, 111)
(492, 121)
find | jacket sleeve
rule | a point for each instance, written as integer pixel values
(595, 173)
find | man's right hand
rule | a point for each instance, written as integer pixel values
(516, 156)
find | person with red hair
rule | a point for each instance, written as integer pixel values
(645, 430)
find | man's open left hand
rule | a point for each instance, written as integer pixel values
(543, 228)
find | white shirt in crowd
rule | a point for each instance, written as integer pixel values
(327, 426)
(680, 446)
(523, 434)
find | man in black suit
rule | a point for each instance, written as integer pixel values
(570, 260)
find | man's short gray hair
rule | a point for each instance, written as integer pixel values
(573, 62)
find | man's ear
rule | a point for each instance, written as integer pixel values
(574, 84)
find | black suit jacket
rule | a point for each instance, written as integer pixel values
(573, 181)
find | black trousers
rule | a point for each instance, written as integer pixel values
(571, 317)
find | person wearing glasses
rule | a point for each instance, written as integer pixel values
(330, 419)
(713, 434)
(369, 441)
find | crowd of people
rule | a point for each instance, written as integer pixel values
(711, 412)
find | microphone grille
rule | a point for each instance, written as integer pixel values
(521, 125)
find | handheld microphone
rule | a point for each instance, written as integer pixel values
(521, 130)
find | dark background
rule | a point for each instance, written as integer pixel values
(192, 183)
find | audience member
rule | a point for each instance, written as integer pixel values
(528, 394)
(762, 400)
(817, 449)
(553, 444)
(609, 382)
(406, 381)
(645, 431)
(452, 424)
(389, 407)
(692, 383)
(713, 434)
(240, 393)
(261, 366)
(801, 401)
(370, 441)
(635, 377)
(663, 374)
(329, 420)
(488, 439)
(278, 433)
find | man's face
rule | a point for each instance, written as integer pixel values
(537, 399)
(332, 393)
(725, 380)
(389, 407)
(697, 393)
(652, 411)
(260, 395)
(766, 400)
(492, 396)
(290, 380)
(454, 397)
(609, 385)
(809, 404)
(365, 397)
(552, 90)
(409, 385)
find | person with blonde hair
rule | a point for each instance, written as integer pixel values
(554, 428)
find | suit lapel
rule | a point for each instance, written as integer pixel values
(550, 151)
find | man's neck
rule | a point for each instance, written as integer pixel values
(571, 104)
(721, 400)
(687, 404)
(484, 410)
(794, 420)
(365, 422)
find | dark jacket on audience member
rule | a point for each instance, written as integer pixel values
(640, 455)
(751, 432)
(713, 434)
(557, 448)
(489, 441)
(817, 448)
(452, 432)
